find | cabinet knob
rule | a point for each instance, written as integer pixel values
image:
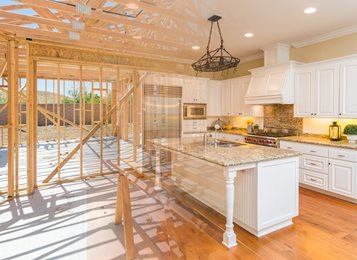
(312, 114)
(340, 114)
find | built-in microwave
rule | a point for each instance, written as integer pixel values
(194, 111)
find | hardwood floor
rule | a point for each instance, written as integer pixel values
(326, 228)
(75, 220)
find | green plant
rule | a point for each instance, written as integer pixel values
(350, 130)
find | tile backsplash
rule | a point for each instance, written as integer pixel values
(282, 116)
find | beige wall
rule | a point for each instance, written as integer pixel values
(321, 125)
(242, 69)
(342, 46)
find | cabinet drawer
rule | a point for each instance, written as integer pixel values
(231, 137)
(314, 163)
(343, 154)
(291, 146)
(318, 150)
(315, 179)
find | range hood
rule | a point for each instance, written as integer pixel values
(273, 83)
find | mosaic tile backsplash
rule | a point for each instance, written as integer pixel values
(281, 116)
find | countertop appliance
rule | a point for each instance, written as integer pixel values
(269, 136)
(194, 111)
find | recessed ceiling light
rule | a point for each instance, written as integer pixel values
(196, 47)
(248, 35)
(310, 10)
(137, 37)
(132, 5)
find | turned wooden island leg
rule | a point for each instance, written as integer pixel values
(229, 237)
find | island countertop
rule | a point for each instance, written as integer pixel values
(224, 156)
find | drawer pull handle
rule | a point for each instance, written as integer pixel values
(289, 147)
(312, 151)
(311, 179)
(340, 155)
(313, 164)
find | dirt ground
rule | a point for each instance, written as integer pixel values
(50, 133)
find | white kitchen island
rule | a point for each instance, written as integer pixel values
(253, 186)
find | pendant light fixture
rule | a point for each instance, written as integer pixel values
(218, 59)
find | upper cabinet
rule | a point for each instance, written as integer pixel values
(194, 90)
(317, 90)
(348, 88)
(232, 98)
(214, 96)
(327, 89)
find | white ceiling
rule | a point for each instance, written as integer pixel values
(275, 21)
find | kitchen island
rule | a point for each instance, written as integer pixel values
(253, 186)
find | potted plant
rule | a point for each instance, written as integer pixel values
(351, 132)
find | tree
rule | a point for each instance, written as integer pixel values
(73, 97)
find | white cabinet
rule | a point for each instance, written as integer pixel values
(348, 88)
(233, 98)
(214, 96)
(316, 90)
(327, 168)
(226, 98)
(194, 90)
(327, 89)
(230, 137)
(194, 126)
(342, 178)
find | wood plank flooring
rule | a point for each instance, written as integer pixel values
(75, 220)
(326, 228)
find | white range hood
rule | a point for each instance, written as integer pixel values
(273, 83)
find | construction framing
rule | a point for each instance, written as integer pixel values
(119, 92)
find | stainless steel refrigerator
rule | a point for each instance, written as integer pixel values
(162, 111)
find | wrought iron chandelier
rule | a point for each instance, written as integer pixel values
(218, 59)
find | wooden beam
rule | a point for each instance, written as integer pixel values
(12, 56)
(58, 122)
(96, 31)
(81, 99)
(109, 18)
(31, 122)
(88, 136)
(101, 119)
(128, 225)
(3, 67)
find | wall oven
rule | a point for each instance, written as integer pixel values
(194, 111)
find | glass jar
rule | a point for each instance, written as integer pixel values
(334, 131)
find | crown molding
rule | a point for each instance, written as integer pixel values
(325, 37)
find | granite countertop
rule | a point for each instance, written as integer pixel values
(225, 156)
(320, 141)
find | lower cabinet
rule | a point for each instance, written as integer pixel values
(315, 179)
(333, 169)
(342, 178)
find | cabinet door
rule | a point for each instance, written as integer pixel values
(325, 90)
(201, 93)
(226, 98)
(342, 179)
(187, 90)
(235, 97)
(214, 93)
(248, 110)
(348, 89)
(303, 92)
